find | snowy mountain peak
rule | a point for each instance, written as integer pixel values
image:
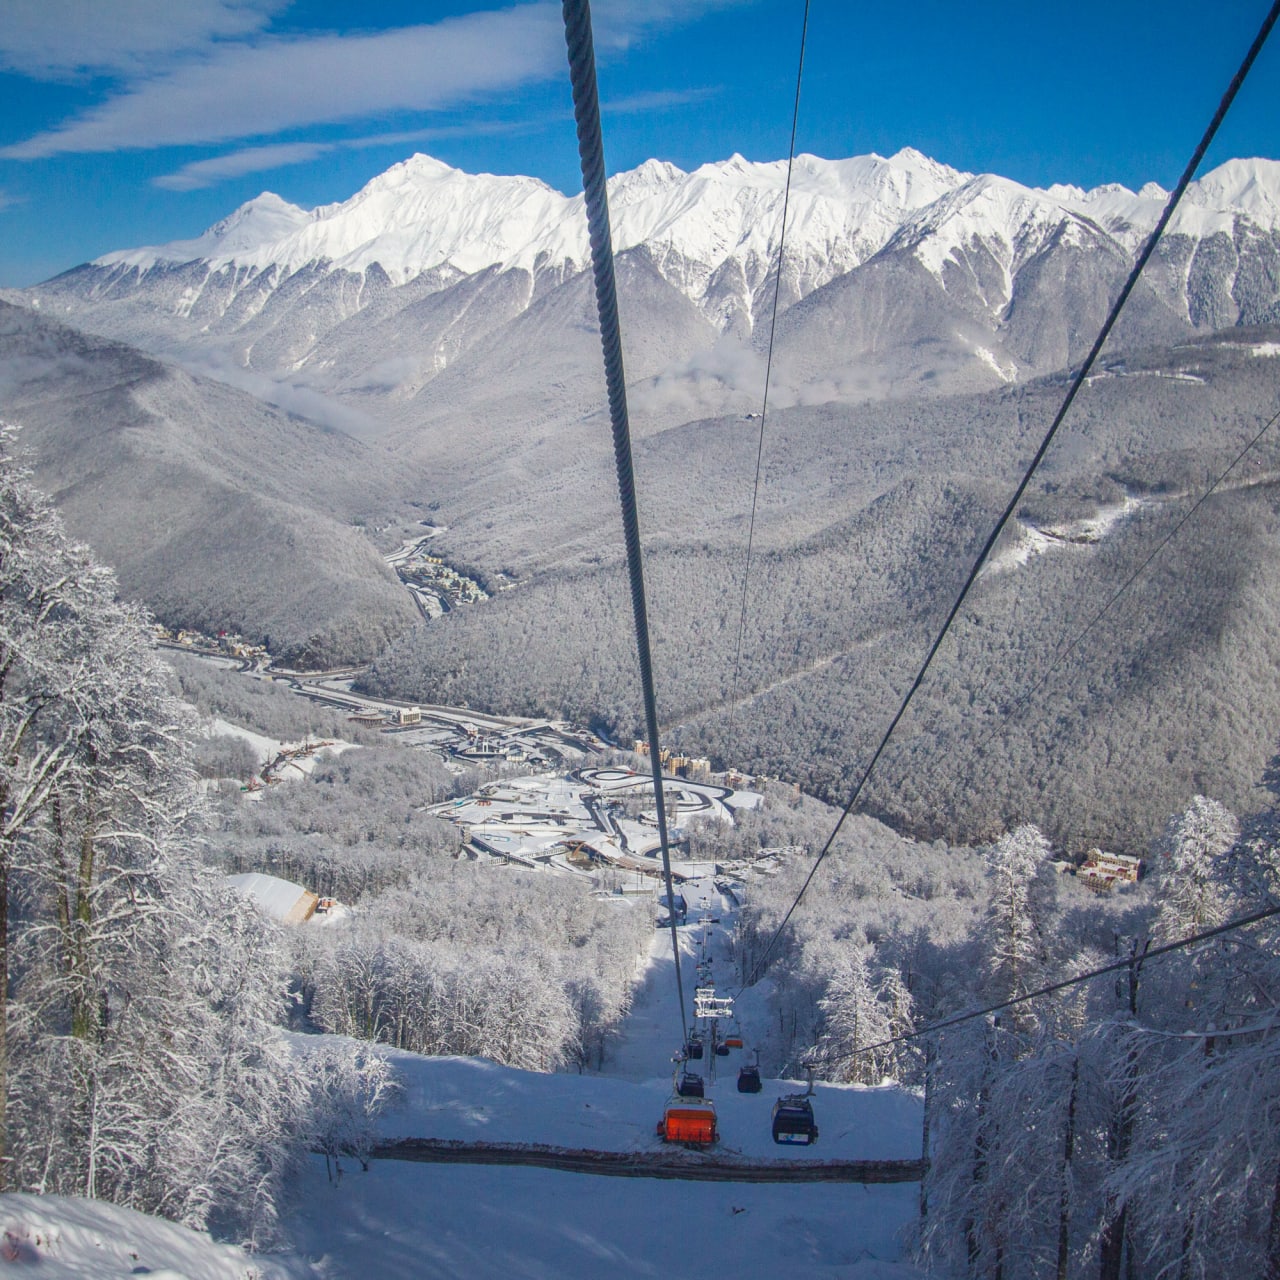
(913, 161)
(422, 215)
(265, 214)
(1252, 186)
(263, 220)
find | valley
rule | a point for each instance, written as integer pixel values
(393, 885)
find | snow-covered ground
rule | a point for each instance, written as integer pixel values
(64, 1238)
(401, 1220)
(413, 1221)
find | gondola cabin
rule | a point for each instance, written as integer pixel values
(749, 1080)
(693, 1049)
(688, 1120)
(793, 1120)
(690, 1085)
(733, 1042)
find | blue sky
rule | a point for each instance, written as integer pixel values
(130, 122)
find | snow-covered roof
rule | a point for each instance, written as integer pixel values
(281, 899)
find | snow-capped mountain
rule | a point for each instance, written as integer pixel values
(378, 294)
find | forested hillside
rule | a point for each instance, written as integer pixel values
(220, 513)
(869, 519)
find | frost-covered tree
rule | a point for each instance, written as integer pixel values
(1014, 929)
(1190, 868)
(138, 996)
(862, 1007)
(348, 1087)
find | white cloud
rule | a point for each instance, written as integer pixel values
(207, 173)
(53, 39)
(655, 100)
(250, 90)
(206, 86)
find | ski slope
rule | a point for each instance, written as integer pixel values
(480, 1222)
(408, 1221)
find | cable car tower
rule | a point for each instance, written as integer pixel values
(706, 1004)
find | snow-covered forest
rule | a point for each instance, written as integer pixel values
(142, 1058)
(1124, 1126)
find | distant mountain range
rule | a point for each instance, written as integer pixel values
(901, 275)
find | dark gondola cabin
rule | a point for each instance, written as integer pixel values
(793, 1120)
(690, 1085)
(693, 1049)
(749, 1080)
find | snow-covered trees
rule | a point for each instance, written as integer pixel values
(863, 1006)
(349, 1086)
(1189, 864)
(1014, 933)
(531, 972)
(1134, 1131)
(140, 1058)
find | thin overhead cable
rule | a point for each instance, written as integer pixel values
(1065, 653)
(1117, 967)
(768, 369)
(1076, 383)
(586, 111)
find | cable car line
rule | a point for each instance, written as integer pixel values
(1115, 967)
(768, 369)
(1065, 653)
(586, 111)
(578, 36)
(1077, 382)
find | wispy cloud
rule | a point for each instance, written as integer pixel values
(656, 100)
(207, 173)
(55, 39)
(252, 90)
(215, 88)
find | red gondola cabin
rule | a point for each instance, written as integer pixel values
(688, 1120)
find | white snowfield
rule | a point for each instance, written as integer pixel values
(65, 1238)
(423, 216)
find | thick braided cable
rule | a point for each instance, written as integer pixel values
(586, 111)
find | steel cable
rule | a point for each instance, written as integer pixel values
(586, 111)
(768, 370)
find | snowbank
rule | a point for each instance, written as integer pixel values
(67, 1238)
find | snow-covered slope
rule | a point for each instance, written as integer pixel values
(66, 1238)
(373, 297)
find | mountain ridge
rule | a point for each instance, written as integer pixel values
(366, 301)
